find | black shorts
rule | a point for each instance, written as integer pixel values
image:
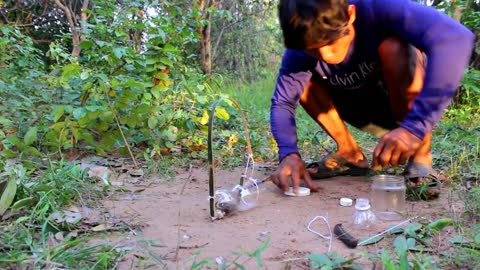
(365, 107)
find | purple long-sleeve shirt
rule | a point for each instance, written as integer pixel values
(446, 43)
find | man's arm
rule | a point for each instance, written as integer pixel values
(295, 72)
(447, 44)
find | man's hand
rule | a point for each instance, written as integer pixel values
(292, 165)
(395, 148)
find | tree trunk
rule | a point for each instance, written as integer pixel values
(205, 39)
(75, 27)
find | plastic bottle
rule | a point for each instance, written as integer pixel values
(240, 198)
(363, 214)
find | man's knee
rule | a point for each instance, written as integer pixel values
(397, 54)
(392, 46)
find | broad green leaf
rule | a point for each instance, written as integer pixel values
(42, 188)
(166, 61)
(86, 44)
(396, 230)
(58, 112)
(412, 228)
(76, 134)
(152, 122)
(70, 70)
(202, 99)
(118, 52)
(477, 238)
(32, 150)
(30, 136)
(156, 94)
(222, 113)
(5, 122)
(8, 195)
(438, 225)
(170, 134)
(94, 108)
(161, 76)
(84, 75)
(87, 137)
(9, 153)
(151, 61)
(79, 113)
(367, 241)
(23, 203)
(170, 48)
(400, 244)
(159, 88)
(22, 219)
(143, 108)
(458, 239)
(190, 125)
(15, 141)
(319, 260)
(411, 242)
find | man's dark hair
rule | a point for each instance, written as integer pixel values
(306, 22)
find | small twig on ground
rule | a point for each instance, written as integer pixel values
(193, 247)
(179, 213)
(420, 240)
(439, 246)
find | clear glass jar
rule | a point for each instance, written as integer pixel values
(388, 196)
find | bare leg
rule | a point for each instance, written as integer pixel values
(318, 104)
(404, 76)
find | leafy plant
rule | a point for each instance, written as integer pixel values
(241, 258)
(331, 261)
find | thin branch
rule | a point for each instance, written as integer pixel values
(75, 35)
(67, 13)
(39, 41)
(24, 25)
(217, 43)
(112, 108)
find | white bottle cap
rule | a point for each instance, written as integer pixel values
(346, 202)
(302, 191)
(362, 204)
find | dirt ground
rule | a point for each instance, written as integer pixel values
(174, 214)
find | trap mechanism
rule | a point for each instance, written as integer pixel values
(218, 209)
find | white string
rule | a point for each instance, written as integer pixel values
(330, 238)
(386, 231)
(257, 190)
(252, 165)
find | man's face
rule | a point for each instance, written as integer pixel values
(334, 52)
